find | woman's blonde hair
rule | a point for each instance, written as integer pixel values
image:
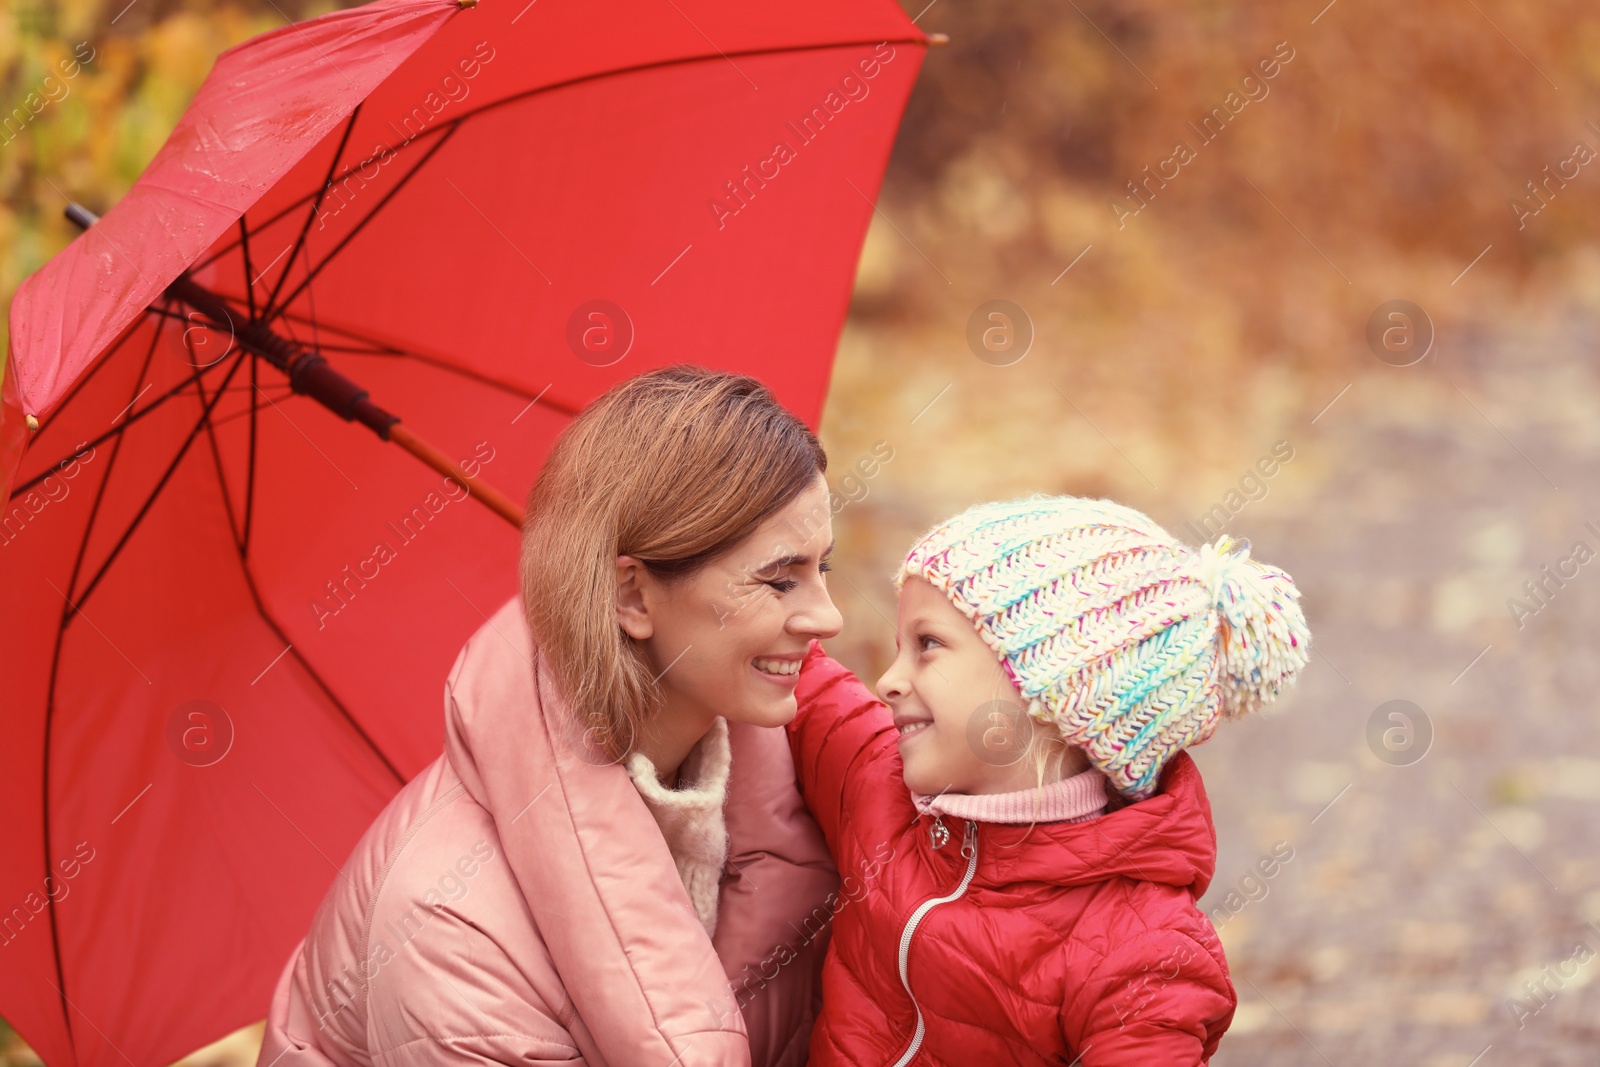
(673, 467)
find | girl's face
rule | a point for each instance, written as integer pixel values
(961, 720)
(728, 639)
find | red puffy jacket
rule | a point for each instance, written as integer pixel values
(1072, 943)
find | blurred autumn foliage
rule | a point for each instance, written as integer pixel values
(1380, 161)
(1193, 289)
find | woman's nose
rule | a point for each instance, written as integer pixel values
(820, 619)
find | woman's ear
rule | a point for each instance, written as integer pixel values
(633, 607)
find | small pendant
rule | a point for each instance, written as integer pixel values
(938, 834)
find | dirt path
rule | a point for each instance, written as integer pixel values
(1427, 887)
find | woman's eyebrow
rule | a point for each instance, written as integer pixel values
(794, 559)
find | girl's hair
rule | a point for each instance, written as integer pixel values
(1047, 752)
(673, 467)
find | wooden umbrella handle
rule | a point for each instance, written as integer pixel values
(487, 494)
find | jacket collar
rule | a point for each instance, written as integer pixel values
(1072, 799)
(1168, 839)
(595, 871)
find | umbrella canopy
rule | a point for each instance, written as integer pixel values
(226, 614)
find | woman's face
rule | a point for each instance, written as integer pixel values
(728, 639)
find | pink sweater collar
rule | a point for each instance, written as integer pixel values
(1075, 799)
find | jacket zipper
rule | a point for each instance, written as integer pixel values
(969, 849)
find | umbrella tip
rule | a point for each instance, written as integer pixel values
(32, 421)
(938, 40)
(82, 216)
(464, 4)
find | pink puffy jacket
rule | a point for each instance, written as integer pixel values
(516, 904)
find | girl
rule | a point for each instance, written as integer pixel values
(1030, 834)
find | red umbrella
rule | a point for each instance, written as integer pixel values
(227, 614)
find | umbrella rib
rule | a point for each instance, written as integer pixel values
(311, 304)
(242, 548)
(381, 348)
(316, 203)
(244, 245)
(116, 430)
(386, 349)
(288, 391)
(316, 676)
(255, 363)
(483, 379)
(250, 464)
(354, 350)
(50, 693)
(211, 437)
(155, 492)
(237, 415)
(377, 346)
(274, 309)
(100, 491)
(244, 566)
(451, 124)
(77, 386)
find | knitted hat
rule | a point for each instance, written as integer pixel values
(1130, 643)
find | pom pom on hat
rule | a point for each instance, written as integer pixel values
(1131, 643)
(1264, 637)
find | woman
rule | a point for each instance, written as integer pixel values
(613, 832)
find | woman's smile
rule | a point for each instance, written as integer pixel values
(780, 670)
